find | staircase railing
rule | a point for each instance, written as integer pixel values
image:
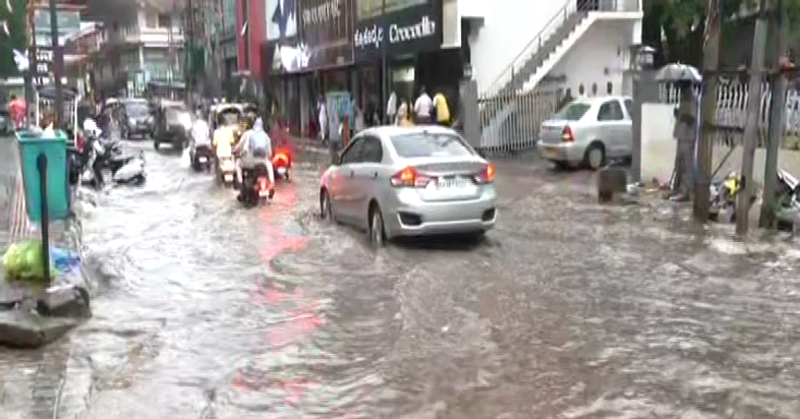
(552, 25)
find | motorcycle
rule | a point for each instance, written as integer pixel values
(255, 187)
(125, 169)
(282, 163)
(201, 157)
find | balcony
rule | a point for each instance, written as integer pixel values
(153, 37)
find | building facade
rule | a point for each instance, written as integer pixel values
(138, 45)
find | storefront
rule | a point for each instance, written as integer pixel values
(408, 34)
(311, 58)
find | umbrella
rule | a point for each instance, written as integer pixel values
(677, 72)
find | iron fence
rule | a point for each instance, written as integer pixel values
(731, 111)
(510, 121)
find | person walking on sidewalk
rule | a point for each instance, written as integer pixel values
(423, 107)
(685, 132)
(391, 108)
(322, 118)
(442, 110)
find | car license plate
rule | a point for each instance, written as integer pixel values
(203, 159)
(281, 170)
(452, 183)
(551, 153)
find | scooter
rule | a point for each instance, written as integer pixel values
(201, 157)
(282, 163)
(226, 171)
(255, 187)
(127, 171)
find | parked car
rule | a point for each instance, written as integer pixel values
(395, 181)
(172, 125)
(588, 131)
(140, 122)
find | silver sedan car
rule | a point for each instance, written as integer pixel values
(589, 132)
(394, 181)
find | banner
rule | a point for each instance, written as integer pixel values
(325, 28)
(281, 19)
(407, 27)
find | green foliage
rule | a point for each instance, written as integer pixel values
(18, 38)
(675, 27)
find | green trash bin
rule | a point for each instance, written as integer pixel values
(31, 144)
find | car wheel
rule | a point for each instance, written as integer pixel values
(325, 209)
(377, 234)
(595, 156)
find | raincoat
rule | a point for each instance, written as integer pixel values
(246, 160)
(223, 141)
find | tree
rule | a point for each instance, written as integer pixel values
(17, 38)
(675, 27)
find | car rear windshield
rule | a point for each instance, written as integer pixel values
(423, 144)
(137, 109)
(572, 112)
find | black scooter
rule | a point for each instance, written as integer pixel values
(255, 187)
(202, 158)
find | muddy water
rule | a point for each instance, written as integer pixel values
(568, 310)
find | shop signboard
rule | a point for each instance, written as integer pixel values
(407, 27)
(324, 36)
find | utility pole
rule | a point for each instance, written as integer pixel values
(30, 84)
(708, 110)
(753, 117)
(384, 59)
(776, 118)
(171, 49)
(58, 64)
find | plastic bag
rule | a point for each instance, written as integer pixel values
(24, 261)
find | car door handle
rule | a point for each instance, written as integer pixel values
(352, 173)
(375, 175)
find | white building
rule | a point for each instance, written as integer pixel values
(525, 53)
(141, 42)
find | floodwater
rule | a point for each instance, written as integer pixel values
(207, 310)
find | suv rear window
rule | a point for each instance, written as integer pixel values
(430, 145)
(572, 112)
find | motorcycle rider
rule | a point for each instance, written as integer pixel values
(255, 147)
(199, 133)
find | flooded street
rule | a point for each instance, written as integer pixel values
(207, 310)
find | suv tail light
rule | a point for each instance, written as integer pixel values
(410, 178)
(486, 175)
(566, 135)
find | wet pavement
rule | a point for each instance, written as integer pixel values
(568, 310)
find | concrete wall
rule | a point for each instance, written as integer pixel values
(508, 26)
(658, 149)
(605, 45)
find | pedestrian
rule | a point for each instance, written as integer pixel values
(685, 132)
(403, 117)
(423, 107)
(391, 109)
(322, 118)
(18, 110)
(442, 110)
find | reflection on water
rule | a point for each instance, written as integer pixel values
(212, 311)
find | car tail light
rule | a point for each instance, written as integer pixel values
(409, 177)
(566, 135)
(486, 175)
